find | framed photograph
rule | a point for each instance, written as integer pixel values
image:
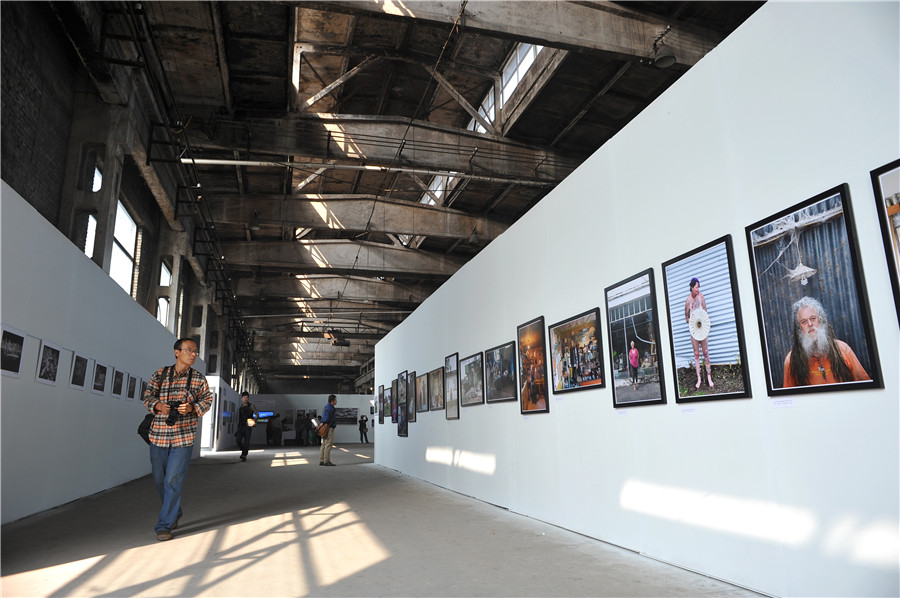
(403, 411)
(500, 373)
(814, 322)
(451, 386)
(411, 397)
(144, 384)
(11, 347)
(381, 404)
(705, 324)
(576, 361)
(471, 380)
(436, 389)
(393, 398)
(402, 387)
(99, 384)
(422, 393)
(48, 364)
(886, 181)
(533, 367)
(78, 377)
(636, 363)
(133, 385)
(118, 383)
(388, 400)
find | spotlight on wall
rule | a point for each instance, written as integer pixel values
(664, 58)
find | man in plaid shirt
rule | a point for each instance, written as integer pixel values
(171, 442)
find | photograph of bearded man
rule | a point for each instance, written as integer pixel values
(816, 356)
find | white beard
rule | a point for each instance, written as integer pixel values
(815, 345)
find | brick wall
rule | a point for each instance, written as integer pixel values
(39, 73)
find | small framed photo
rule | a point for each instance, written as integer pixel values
(101, 373)
(118, 383)
(886, 182)
(814, 321)
(422, 393)
(402, 387)
(500, 373)
(78, 377)
(471, 380)
(635, 359)
(451, 386)
(381, 404)
(143, 389)
(48, 364)
(11, 347)
(402, 414)
(393, 400)
(411, 397)
(436, 389)
(576, 360)
(133, 385)
(705, 324)
(533, 367)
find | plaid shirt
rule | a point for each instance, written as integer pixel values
(167, 385)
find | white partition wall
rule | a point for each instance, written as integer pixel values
(795, 497)
(61, 443)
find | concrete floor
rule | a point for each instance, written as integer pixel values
(280, 525)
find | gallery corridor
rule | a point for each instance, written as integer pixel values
(280, 525)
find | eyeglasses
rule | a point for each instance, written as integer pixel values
(192, 351)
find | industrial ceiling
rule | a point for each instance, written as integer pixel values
(317, 129)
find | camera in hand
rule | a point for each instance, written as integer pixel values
(172, 417)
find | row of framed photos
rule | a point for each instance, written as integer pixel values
(812, 307)
(100, 378)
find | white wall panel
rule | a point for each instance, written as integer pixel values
(800, 500)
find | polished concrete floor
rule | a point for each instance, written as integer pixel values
(280, 525)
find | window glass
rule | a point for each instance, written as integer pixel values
(91, 236)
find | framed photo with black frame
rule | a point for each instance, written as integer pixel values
(533, 367)
(11, 347)
(436, 389)
(500, 373)
(78, 375)
(451, 386)
(576, 356)
(422, 393)
(814, 322)
(133, 385)
(636, 362)
(402, 387)
(886, 183)
(471, 380)
(118, 384)
(411, 397)
(101, 373)
(381, 404)
(393, 401)
(706, 330)
(48, 363)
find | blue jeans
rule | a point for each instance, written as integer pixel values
(169, 467)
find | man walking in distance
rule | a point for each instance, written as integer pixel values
(246, 414)
(328, 441)
(179, 396)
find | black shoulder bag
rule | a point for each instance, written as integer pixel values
(144, 429)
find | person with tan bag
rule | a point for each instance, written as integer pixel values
(247, 415)
(328, 418)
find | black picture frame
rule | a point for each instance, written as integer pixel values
(633, 317)
(393, 400)
(500, 373)
(133, 385)
(886, 185)
(48, 363)
(533, 394)
(100, 378)
(422, 393)
(118, 383)
(79, 372)
(451, 386)
(402, 387)
(411, 397)
(436, 389)
(807, 254)
(12, 346)
(576, 353)
(381, 404)
(471, 380)
(712, 266)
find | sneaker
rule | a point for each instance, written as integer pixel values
(328, 463)
(174, 525)
(243, 458)
(163, 535)
(321, 462)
